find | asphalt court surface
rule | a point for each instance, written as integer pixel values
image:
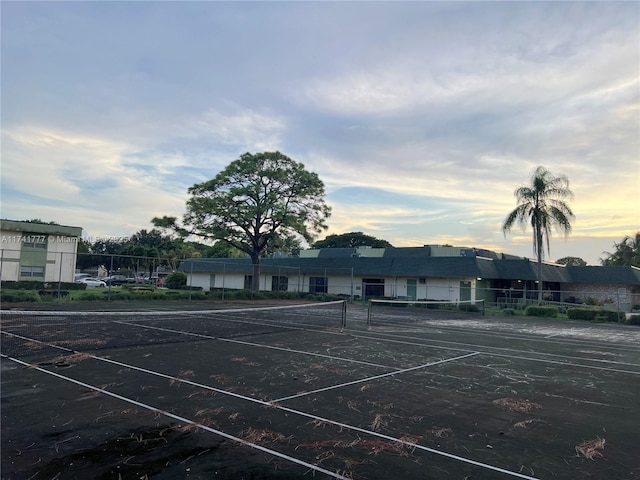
(469, 398)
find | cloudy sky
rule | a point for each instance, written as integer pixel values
(421, 118)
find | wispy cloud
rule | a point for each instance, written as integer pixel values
(421, 118)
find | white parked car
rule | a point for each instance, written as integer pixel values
(92, 282)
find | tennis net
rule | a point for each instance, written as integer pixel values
(84, 331)
(381, 312)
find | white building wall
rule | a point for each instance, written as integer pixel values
(10, 264)
(434, 288)
(10, 245)
(61, 258)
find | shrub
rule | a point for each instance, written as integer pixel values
(541, 311)
(119, 295)
(19, 296)
(508, 311)
(91, 296)
(176, 280)
(633, 320)
(592, 301)
(581, 314)
(468, 307)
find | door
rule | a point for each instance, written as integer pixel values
(411, 289)
(373, 287)
(465, 291)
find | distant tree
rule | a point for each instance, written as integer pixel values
(222, 250)
(37, 220)
(350, 240)
(289, 245)
(255, 201)
(541, 204)
(627, 252)
(571, 262)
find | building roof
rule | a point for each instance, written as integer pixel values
(605, 275)
(417, 263)
(40, 228)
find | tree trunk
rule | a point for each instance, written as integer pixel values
(539, 247)
(255, 281)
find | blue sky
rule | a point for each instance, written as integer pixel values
(421, 118)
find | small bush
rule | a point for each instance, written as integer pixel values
(18, 296)
(508, 311)
(541, 311)
(633, 320)
(176, 280)
(610, 316)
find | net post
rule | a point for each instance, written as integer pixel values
(344, 314)
(369, 307)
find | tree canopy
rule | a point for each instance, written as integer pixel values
(351, 239)
(627, 252)
(257, 202)
(571, 262)
(542, 205)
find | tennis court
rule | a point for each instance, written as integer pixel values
(329, 390)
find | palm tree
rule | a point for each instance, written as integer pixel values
(627, 252)
(542, 205)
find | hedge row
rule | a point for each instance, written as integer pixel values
(36, 285)
(541, 311)
(595, 315)
(19, 296)
(141, 295)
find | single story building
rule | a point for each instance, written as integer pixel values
(431, 272)
(38, 251)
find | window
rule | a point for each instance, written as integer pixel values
(279, 283)
(32, 272)
(34, 241)
(317, 284)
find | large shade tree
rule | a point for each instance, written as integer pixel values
(542, 204)
(257, 201)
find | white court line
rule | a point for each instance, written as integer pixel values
(184, 420)
(271, 347)
(306, 415)
(383, 338)
(375, 377)
(556, 335)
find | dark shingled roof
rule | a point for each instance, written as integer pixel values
(605, 275)
(415, 262)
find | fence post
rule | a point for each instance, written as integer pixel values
(352, 284)
(110, 274)
(60, 275)
(191, 279)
